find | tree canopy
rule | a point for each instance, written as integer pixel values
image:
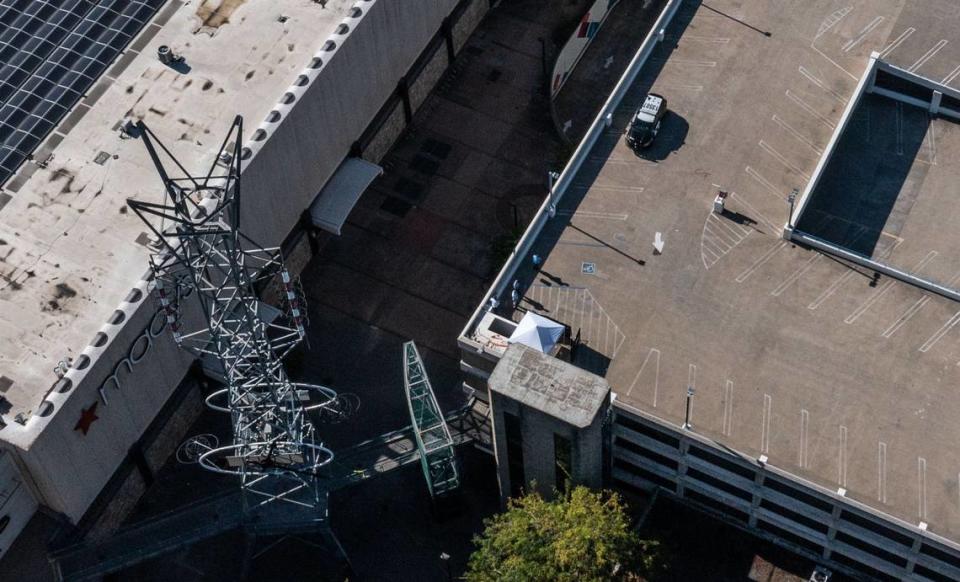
(584, 536)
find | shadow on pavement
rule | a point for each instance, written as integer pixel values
(872, 180)
(672, 136)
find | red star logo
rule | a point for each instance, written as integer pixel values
(87, 416)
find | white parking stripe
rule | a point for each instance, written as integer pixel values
(944, 329)
(842, 477)
(677, 87)
(718, 244)
(810, 77)
(928, 55)
(789, 129)
(590, 214)
(922, 488)
(759, 262)
(688, 62)
(796, 275)
(765, 424)
(804, 432)
(851, 44)
(830, 290)
(655, 354)
(713, 256)
(728, 409)
(753, 210)
(910, 312)
(731, 228)
(803, 105)
(782, 159)
(950, 77)
(703, 39)
(887, 285)
(636, 189)
(882, 472)
(770, 187)
(832, 20)
(897, 41)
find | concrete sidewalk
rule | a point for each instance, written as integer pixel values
(601, 66)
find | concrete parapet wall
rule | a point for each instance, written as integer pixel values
(805, 517)
(468, 21)
(320, 120)
(393, 123)
(597, 128)
(434, 68)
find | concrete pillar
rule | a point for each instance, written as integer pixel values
(871, 83)
(757, 497)
(832, 529)
(935, 102)
(914, 553)
(682, 467)
(403, 90)
(548, 420)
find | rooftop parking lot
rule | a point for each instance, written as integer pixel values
(840, 376)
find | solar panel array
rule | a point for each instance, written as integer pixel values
(51, 52)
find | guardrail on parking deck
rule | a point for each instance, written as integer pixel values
(597, 128)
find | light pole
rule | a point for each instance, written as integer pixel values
(551, 178)
(686, 421)
(445, 557)
(791, 198)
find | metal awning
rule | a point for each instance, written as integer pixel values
(333, 204)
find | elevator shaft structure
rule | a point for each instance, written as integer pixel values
(204, 261)
(437, 457)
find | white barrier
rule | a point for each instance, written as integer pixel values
(820, 244)
(863, 87)
(597, 128)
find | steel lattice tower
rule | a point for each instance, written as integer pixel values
(202, 251)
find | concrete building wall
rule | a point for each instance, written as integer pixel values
(588, 451)
(467, 21)
(539, 453)
(17, 503)
(137, 370)
(287, 168)
(394, 122)
(434, 68)
(302, 150)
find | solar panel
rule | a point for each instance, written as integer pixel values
(51, 52)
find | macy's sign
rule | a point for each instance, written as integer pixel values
(135, 354)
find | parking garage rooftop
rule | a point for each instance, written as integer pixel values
(837, 374)
(69, 250)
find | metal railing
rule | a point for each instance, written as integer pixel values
(597, 129)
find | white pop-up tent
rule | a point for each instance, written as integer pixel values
(538, 332)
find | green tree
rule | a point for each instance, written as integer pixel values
(584, 536)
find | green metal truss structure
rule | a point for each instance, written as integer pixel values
(437, 458)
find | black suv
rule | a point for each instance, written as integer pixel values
(646, 121)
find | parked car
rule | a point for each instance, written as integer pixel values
(646, 121)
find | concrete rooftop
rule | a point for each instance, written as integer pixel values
(839, 377)
(69, 250)
(545, 383)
